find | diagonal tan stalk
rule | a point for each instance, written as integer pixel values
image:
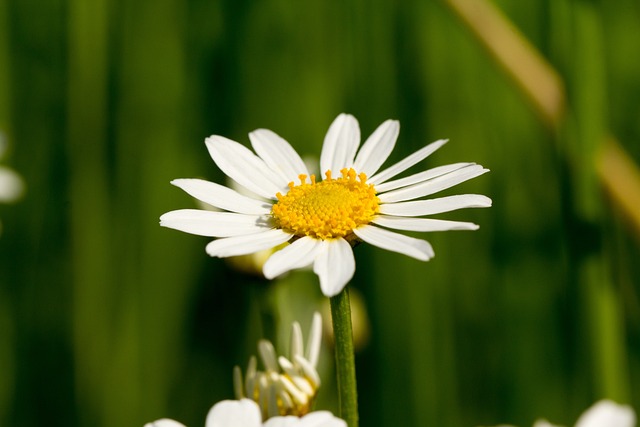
(544, 89)
(584, 120)
(345, 360)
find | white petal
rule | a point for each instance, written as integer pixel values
(215, 224)
(165, 422)
(288, 421)
(296, 394)
(321, 419)
(435, 206)
(222, 197)
(298, 254)
(314, 340)
(303, 384)
(407, 162)
(434, 185)
(420, 177)
(287, 366)
(334, 265)
(542, 423)
(340, 145)
(422, 224)
(606, 413)
(244, 167)
(377, 148)
(309, 370)
(278, 154)
(11, 185)
(242, 245)
(234, 413)
(268, 355)
(395, 242)
(296, 346)
(312, 419)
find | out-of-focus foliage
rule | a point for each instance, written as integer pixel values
(107, 320)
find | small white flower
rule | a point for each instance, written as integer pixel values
(164, 422)
(604, 413)
(323, 219)
(246, 413)
(286, 386)
(11, 185)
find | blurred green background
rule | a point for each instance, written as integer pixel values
(106, 319)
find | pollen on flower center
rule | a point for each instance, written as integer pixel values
(328, 209)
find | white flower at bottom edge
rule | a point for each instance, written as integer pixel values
(246, 413)
(603, 413)
(11, 185)
(286, 386)
(606, 413)
(323, 219)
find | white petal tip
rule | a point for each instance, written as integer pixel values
(212, 138)
(181, 182)
(165, 422)
(440, 142)
(607, 413)
(269, 275)
(426, 252)
(212, 141)
(330, 292)
(163, 220)
(426, 257)
(243, 412)
(332, 289)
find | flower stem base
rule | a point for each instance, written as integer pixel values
(345, 360)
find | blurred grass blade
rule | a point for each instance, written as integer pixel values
(607, 347)
(89, 208)
(582, 134)
(5, 68)
(539, 82)
(543, 87)
(620, 177)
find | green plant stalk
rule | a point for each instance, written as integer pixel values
(345, 359)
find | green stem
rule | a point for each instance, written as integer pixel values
(345, 361)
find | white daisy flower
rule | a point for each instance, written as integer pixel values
(11, 184)
(323, 219)
(287, 386)
(246, 413)
(604, 413)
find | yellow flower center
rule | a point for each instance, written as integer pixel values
(328, 209)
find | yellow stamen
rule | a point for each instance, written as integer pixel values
(328, 209)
